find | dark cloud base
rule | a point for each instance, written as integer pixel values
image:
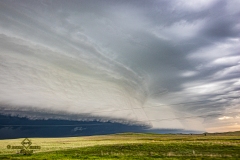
(19, 127)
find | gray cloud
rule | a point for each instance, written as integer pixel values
(137, 57)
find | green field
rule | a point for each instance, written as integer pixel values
(131, 146)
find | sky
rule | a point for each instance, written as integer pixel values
(167, 64)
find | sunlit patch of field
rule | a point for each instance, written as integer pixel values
(131, 146)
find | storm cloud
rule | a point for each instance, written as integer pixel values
(148, 62)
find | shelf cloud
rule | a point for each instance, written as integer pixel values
(155, 63)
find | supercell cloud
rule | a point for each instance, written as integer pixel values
(147, 62)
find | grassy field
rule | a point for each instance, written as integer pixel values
(131, 146)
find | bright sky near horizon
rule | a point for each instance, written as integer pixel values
(129, 61)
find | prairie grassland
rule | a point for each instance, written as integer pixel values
(131, 146)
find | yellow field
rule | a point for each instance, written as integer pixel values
(130, 146)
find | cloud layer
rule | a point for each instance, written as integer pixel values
(129, 61)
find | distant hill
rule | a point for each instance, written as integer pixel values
(236, 133)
